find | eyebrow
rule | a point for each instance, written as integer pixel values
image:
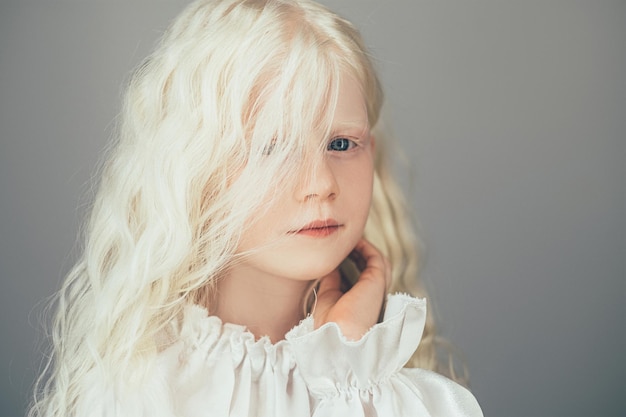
(360, 127)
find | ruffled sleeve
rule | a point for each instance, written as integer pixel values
(366, 377)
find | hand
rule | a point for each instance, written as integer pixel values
(358, 309)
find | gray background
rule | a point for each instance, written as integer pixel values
(513, 118)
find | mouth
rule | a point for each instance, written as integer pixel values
(318, 228)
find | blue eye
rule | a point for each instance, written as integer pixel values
(340, 144)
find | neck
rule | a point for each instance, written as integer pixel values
(267, 305)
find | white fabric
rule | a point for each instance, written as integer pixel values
(215, 369)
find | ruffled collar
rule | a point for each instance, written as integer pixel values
(200, 331)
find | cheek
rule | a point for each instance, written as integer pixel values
(357, 183)
(356, 195)
(261, 228)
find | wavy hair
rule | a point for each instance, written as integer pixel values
(229, 79)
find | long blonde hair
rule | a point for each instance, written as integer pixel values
(229, 79)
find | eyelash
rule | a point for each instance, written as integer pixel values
(350, 143)
(267, 150)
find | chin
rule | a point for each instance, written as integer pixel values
(308, 269)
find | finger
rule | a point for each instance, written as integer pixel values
(331, 282)
(375, 261)
(376, 265)
(358, 260)
(356, 310)
(371, 285)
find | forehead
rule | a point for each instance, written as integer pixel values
(351, 109)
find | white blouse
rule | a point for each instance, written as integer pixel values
(215, 369)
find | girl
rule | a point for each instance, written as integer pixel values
(242, 240)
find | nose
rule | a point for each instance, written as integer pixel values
(317, 182)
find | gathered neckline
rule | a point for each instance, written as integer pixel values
(214, 324)
(198, 327)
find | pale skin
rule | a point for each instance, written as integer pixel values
(358, 309)
(310, 230)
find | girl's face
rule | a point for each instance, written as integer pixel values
(311, 228)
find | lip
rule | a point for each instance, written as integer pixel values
(318, 228)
